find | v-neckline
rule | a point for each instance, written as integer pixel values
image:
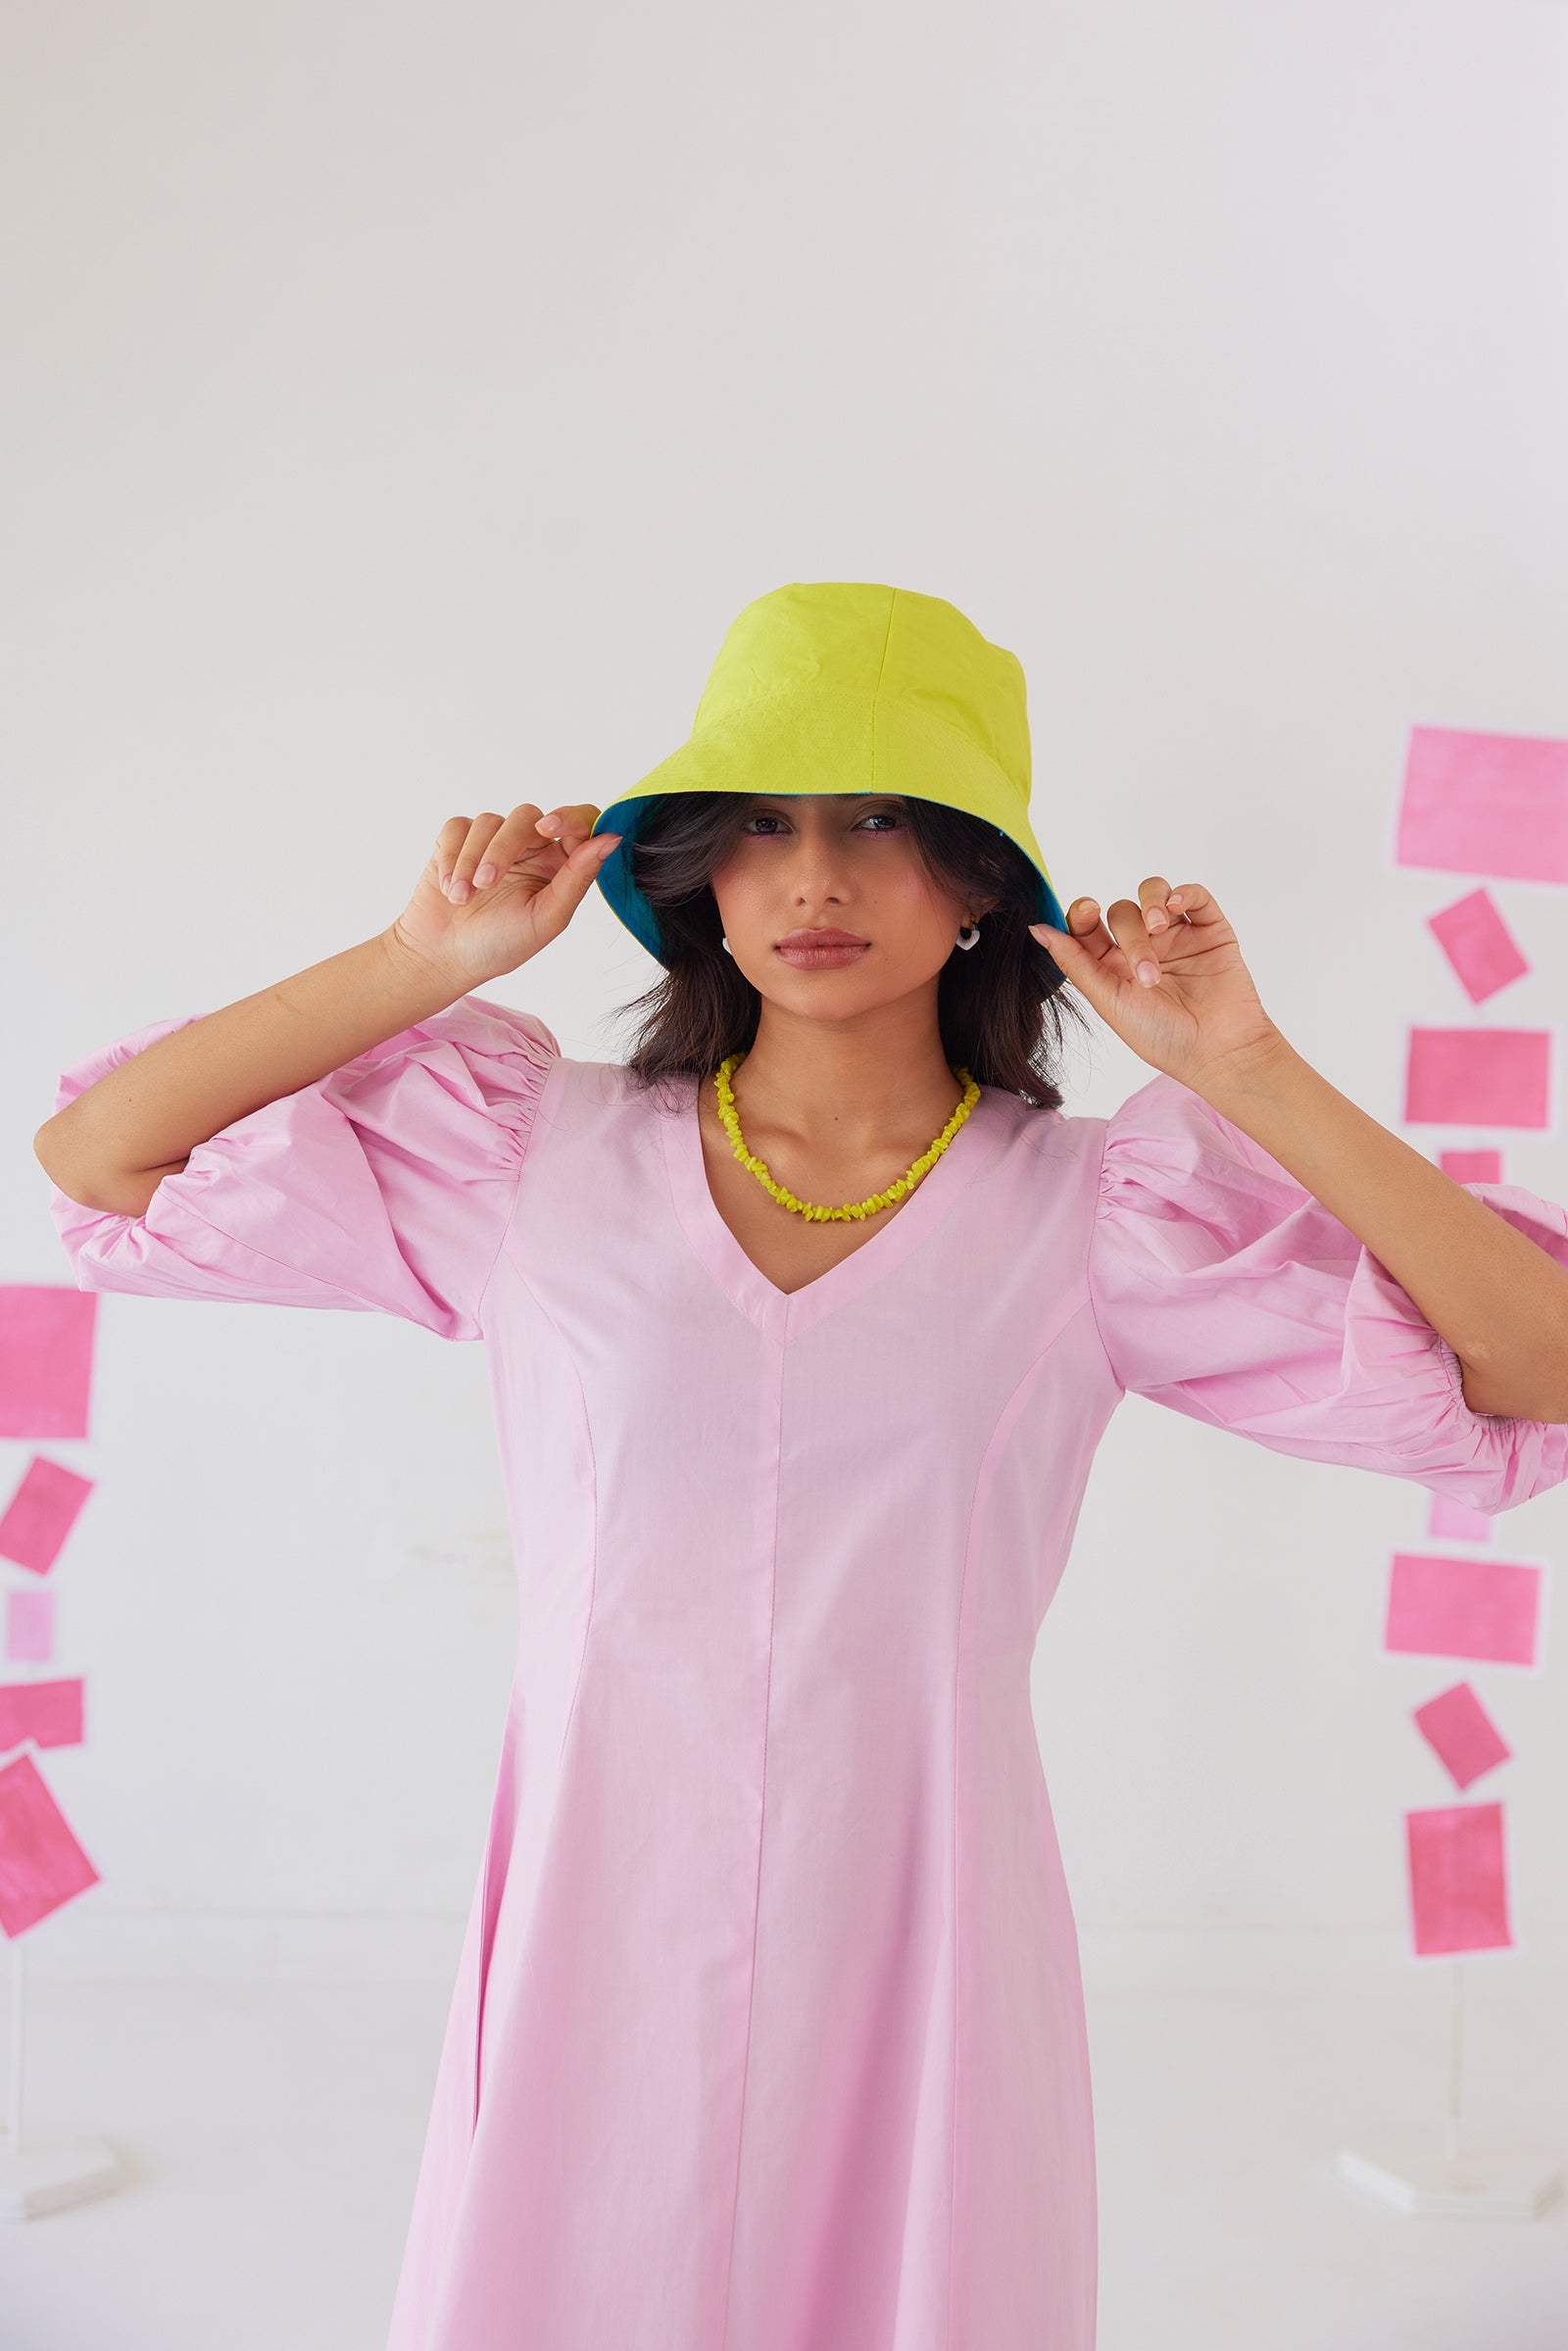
(785, 1313)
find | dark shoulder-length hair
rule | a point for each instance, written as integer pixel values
(1000, 1004)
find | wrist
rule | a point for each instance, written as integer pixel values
(1253, 1072)
(423, 984)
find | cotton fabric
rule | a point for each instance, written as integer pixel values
(768, 2032)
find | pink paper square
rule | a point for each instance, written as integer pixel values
(1478, 943)
(1456, 1522)
(47, 1712)
(41, 1514)
(31, 1627)
(1461, 1734)
(1485, 804)
(1458, 1880)
(1472, 1167)
(1477, 1077)
(41, 1864)
(1441, 1606)
(46, 1334)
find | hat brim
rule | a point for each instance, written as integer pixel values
(855, 741)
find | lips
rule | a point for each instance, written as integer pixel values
(821, 950)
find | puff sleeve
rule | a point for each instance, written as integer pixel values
(385, 1187)
(1224, 1288)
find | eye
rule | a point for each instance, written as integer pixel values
(888, 819)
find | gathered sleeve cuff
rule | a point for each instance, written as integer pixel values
(384, 1188)
(1224, 1288)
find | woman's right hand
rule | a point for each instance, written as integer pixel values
(474, 928)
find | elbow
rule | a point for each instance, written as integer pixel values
(1534, 1390)
(61, 1163)
(43, 1143)
(108, 1191)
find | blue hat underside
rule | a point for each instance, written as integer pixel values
(625, 817)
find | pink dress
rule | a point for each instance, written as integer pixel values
(767, 2033)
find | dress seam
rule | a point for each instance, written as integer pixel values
(761, 1828)
(585, 1422)
(982, 1486)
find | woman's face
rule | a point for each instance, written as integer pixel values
(846, 866)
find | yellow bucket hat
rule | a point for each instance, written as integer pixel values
(848, 686)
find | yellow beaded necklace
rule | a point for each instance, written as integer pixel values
(863, 1208)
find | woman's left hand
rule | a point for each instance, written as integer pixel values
(1166, 974)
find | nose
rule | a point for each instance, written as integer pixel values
(814, 869)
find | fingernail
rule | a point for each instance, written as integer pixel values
(485, 875)
(604, 844)
(1147, 972)
(459, 891)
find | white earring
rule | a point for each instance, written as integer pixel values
(973, 939)
(728, 950)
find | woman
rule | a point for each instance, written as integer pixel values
(805, 1323)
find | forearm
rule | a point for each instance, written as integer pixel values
(142, 1121)
(1500, 1301)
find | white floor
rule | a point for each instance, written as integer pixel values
(273, 2131)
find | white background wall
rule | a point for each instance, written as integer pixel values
(399, 404)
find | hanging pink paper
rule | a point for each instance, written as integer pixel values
(48, 1712)
(1458, 1880)
(41, 1514)
(1478, 943)
(1477, 1077)
(1456, 1522)
(1461, 1734)
(30, 1627)
(41, 1864)
(1472, 1167)
(1485, 804)
(1441, 1606)
(46, 1334)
